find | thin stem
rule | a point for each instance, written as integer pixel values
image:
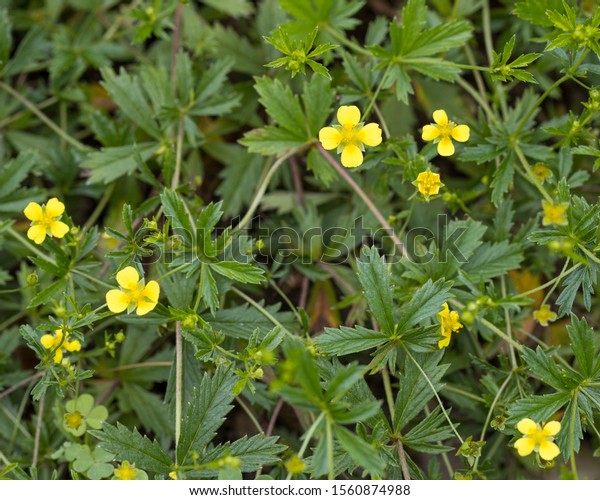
(466, 394)
(548, 283)
(42, 105)
(11, 320)
(34, 109)
(263, 187)
(402, 456)
(91, 278)
(487, 38)
(99, 207)
(175, 42)
(133, 366)
(250, 415)
(329, 437)
(435, 392)
(377, 90)
(178, 381)
(178, 153)
(348, 43)
(257, 306)
(478, 98)
(489, 414)
(556, 282)
(23, 382)
(370, 205)
(28, 245)
(556, 84)
(385, 374)
(530, 175)
(38, 430)
(511, 349)
(307, 438)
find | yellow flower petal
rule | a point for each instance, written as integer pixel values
(37, 233)
(117, 301)
(54, 208)
(370, 135)
(128, 278)
(552, 428)
(527, 426)
(461, 133)
(149, 298)
(525, 446)
(47, 341)
(444, 342)
(33, 212)
(72, 346)
(58, 228)
(548, 450)
(352, 156)
(348, 116)
(445, 147)
(430, 132)
(58, 356)
(440, 117)
(330, 138)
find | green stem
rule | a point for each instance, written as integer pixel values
(178, 154)
(264, 312)
(172, 271)
(34, 109)
(263, 187)
(307, 438)
(557, 83)
(99, 208)
(435, 392)
(330, 460)
(377, 91)
(250, 415)
(478, 98)
(556, 282)
(466, 394)
(551, 282)
(178, 382)
(91, 278)
(487, 38)
(489, 414)
(387, 384)
(28, 245)
(588, 253)
(348, 43)
(370, 205)
(530, 175)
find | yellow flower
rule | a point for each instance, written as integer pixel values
(444, 131)
(295, 465)
(449, 323)
(59, 341)
(173, 475)
(544, 315)
(538, 438)
(126, 472)
(429, 183)
(541, 172)
(45, 220)
(350, 136)
(555, 213)
(133, 293)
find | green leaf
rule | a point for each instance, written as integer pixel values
(15, 171)
(534, 11)
(227, 321)
(254, 452)
(537, 408)
(5, 38)
(584, 346)
(110, 164)
(414, 391)
(282, 105)
(317, 98)
(149, 408)
(425, 436)
(362, 453)
(175, 208)
(47, 293)
(375, 280)
(208, 288)
(133, 447)
(547, 370)
(239, 271)
(570, 435)
(233, 8)
(494, 259)
(345, 340)
(127, 93)
(426, 302)
(206, 413)
(503, 177)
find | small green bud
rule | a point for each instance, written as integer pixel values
(32, 279)
(120, 337)
(498, 423)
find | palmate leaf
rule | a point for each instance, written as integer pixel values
(133, 447)
(414, 391)
(206, 413)
(584, 345)
(425, 303)
(375, 280)
(361, 452)
(537, 408)
(254, 452)
(546, 369)
(239, 271)
(426, 434)
(570, 435)
(345, 340)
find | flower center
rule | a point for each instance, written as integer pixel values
(538, 436)
(349, 135)
(74, 420)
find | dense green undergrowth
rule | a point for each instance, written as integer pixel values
(299, 239)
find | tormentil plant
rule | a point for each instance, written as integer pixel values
(236, 243)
